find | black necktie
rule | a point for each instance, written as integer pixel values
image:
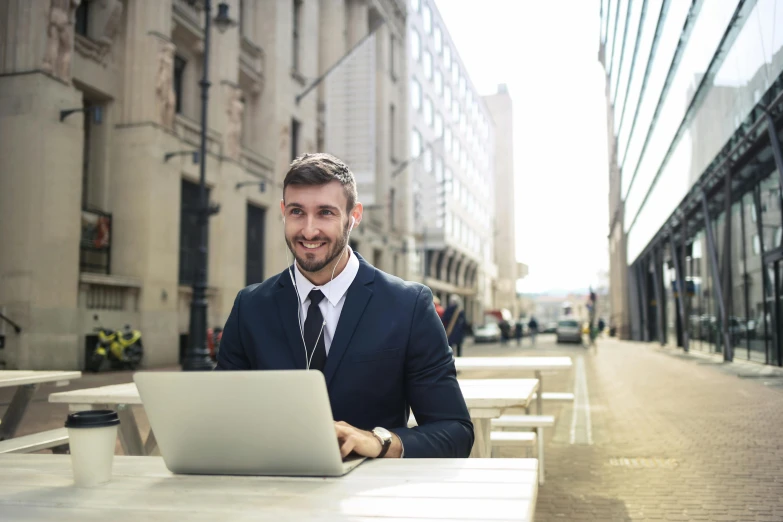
(313, 329)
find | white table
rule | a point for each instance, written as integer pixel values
(518, 365)
(26, 383)
(486, 399)
(40, 487)
(121, 397)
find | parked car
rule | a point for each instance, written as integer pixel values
(488, 333)
(569, 330)
(550, 328)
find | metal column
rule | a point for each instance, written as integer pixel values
(644, 273)
(658, 297)
(728, 282)
(681, 289)
(716, 275)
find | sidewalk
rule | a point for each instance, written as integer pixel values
(674, 437)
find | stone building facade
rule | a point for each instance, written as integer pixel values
(101, 113)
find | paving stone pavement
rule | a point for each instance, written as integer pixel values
(673, 437)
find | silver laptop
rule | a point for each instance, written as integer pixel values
(243, 423)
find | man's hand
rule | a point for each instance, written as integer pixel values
(362, 442)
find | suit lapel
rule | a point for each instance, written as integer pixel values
(359, 294)
(288, 311)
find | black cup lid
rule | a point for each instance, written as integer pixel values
(92, 419)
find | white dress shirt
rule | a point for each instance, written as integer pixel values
(334, 291)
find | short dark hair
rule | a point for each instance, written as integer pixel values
(321, 168)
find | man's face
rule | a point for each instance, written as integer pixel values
(316, 224)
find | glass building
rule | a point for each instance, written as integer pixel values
(695, 100)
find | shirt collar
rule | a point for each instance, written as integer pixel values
(335, 289)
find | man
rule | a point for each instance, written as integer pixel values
(532, 325)
(454, 322)
(376, 338)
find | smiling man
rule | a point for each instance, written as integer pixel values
(377, 339)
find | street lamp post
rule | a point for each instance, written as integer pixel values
(196, 355)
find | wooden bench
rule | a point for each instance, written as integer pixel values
(510, 438)
(35, 441)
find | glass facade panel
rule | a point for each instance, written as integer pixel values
(754, 282)
(610, 37)
(623, 72)
(634, 90)
(770, 212)
(667, 45)
(702, 44)
(726, 104)
(618, 45)
(415, 45)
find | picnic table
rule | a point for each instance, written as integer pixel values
(40, 487)
(26, 383)
(485, 398)
(519, 365)
(120, 397)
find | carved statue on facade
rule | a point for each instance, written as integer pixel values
(235, 110)
(165, 97)
(59, 43)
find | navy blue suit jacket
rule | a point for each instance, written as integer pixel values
(389, 354)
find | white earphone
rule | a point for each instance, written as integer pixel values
(308, 359)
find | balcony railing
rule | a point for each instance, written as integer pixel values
(95, 242)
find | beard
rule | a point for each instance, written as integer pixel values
(311, 263)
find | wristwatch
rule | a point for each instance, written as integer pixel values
(385, 437)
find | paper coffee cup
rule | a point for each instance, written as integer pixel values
(92, 437)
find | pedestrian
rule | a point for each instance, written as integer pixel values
(518, 331)
(438, 307)
(454, 322)
(532, 325)
(377, 339)
(601, 326)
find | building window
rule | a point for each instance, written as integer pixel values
(392, 203)
(438, 40)
(427, 16)
(254, 246)
(179, 75)
(416, 94)
(393, 57)
(392, 132)
(189, 232)
(86, 152)
(427, 65)
(428, 159)
(438, 170)
(415, 144)
(82, 16)
(438, 125)
(447, 57)
(296, 32)
(438, 82)
(447, 138)
(447, 96)
(415, 45)
(295, 130)
(416, 5)
(455, 75)
(428, 111)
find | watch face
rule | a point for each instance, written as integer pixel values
(382, 433)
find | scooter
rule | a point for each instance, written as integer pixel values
(122, 349)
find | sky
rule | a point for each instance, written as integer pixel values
(546, 52)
